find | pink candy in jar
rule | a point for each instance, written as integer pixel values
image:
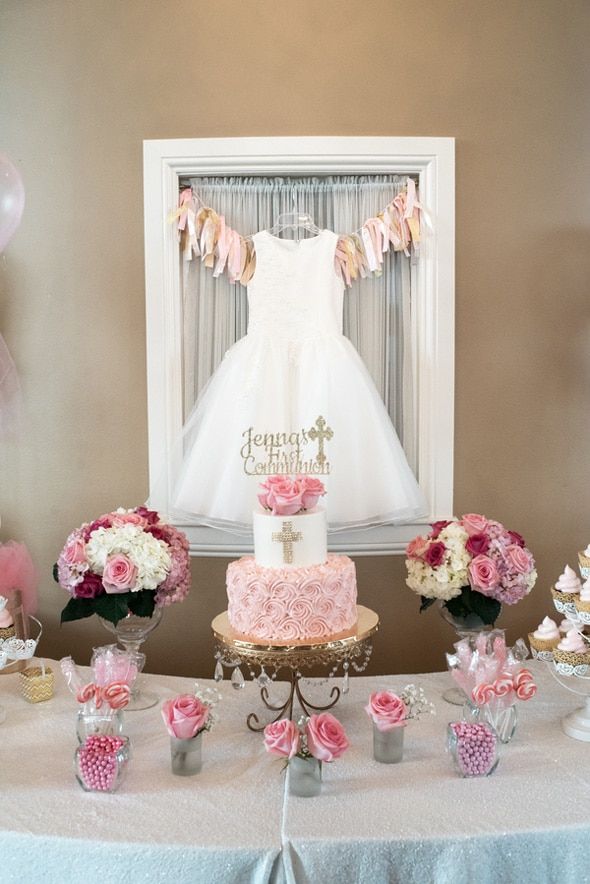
(101, 762)
(473, 747)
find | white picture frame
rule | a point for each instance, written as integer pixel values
(432, 160)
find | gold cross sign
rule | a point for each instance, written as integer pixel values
(287, 537)
(320, 432)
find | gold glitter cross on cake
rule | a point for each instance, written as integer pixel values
(287, 537)
(320, 432)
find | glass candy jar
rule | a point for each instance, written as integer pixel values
(305, 776)
(474, 747)
(388, 746)
(107, 723)
(100, 762)
(499, 714)
(186, 755)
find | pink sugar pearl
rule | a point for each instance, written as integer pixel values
(98, 762)
(476, 748)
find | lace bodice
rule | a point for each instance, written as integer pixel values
(295, 292)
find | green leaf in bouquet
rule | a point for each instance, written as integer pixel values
(55, 577)
(425, 603)
(142, 603)
(112, 607)
(459, 606)
(77, 609)
(485, 607)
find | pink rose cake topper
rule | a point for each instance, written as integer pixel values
(285, 496)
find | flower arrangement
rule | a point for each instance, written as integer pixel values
(127, 561)
(473, 565)
(187, 715)
(319, 736)
(388, 710)
(284, 496)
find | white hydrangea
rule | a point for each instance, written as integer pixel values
(446, 581)
(148, 554)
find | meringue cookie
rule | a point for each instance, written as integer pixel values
(547, 630)
(573, 643)
(568, 581)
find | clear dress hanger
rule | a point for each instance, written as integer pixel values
(297, 221)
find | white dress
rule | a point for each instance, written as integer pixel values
(292, 367)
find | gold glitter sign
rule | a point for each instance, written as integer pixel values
(298, 453)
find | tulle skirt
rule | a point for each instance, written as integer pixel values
(269, 386)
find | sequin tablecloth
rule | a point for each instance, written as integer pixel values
(412, 823)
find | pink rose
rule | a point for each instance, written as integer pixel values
(281, 495)
(119, 575)
(312, 490)
(474, 523)
(75, 552)
(483, 573)
(282, 738)
(520, 559)
(437, 527)
(185, 716)
(435, 554)
(387, 710)
(477, 544)
(326, 738)
(417, 547)
(120, 519)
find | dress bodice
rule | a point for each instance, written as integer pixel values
(295, 292)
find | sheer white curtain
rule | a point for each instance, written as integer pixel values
(377, 310)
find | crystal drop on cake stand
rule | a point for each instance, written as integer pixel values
(131, 632)
(237, 679)
(218, 674)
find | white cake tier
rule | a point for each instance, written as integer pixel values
(290, 541)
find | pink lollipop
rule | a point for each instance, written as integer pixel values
(503, 685)
(482, 694)
(524, 685)
(87, 693)
(116, 694)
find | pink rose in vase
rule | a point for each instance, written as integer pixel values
(417, 547)
(474, 523)
(282, 738)
(185, 716)
(483, 574)
(326, 738)
(387, 710)
(119, 575)
(519, 559)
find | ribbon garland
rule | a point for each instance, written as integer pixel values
(203, 232)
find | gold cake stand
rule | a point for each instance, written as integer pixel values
(345, 649)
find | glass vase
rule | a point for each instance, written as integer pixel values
(501, 714)
(100, 763)
(107, 723)
(388, 746)
(465, 627)
(131, 632)
(474, 748)
(305, 776)
(186, 755)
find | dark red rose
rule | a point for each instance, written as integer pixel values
(151, 516)
(90, 587)
(103, 522)
(517, 538)
(435, 554)
(478, 544)
(437, 527)
(158, 531)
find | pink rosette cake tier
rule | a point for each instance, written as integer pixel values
(292, 604)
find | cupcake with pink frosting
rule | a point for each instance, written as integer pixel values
(565, 626)
(572, 654)
(7, 629)
(584, 562)
(582, 603)
(566, 591)
(544, 639)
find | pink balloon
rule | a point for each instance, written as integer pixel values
(12, 200)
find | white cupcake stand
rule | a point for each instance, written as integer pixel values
(575, 679)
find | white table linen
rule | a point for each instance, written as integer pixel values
(235, 822)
